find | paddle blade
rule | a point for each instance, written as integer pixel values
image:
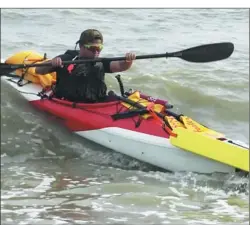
(205, 53)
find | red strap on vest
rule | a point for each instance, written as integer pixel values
(70, 68)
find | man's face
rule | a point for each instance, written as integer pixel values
(91, 49)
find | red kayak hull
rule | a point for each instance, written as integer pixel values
(95, 116)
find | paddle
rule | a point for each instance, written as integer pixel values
(200, 142)
(198, 54)
(142, 107)
(184, 121)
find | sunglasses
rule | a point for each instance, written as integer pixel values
(94, 47)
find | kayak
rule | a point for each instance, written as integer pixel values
(118, 124)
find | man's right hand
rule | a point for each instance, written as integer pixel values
(56, 62)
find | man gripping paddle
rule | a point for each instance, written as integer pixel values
(84, 82)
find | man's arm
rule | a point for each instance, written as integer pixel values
(55, 63)
(45, 69)
(119, 66)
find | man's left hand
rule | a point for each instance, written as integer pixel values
(130, 57)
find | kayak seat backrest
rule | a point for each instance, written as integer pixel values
(29, 57)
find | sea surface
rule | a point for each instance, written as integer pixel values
(50, 176)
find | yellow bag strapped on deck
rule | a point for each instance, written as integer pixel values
(29, 57)
(136, 98)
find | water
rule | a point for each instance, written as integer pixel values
(49, 176)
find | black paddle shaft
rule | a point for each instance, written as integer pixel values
(199, 54)
(140, 106)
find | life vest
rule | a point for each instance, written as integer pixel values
(81, 82)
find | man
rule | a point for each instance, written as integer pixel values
(84, 82)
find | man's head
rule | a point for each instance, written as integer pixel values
(90, 43)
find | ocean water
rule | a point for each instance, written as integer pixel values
(50, 176)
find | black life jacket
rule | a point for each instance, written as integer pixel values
(81, 82)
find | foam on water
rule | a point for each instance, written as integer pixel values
(145, 197)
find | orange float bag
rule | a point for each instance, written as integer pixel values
(29, 74)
